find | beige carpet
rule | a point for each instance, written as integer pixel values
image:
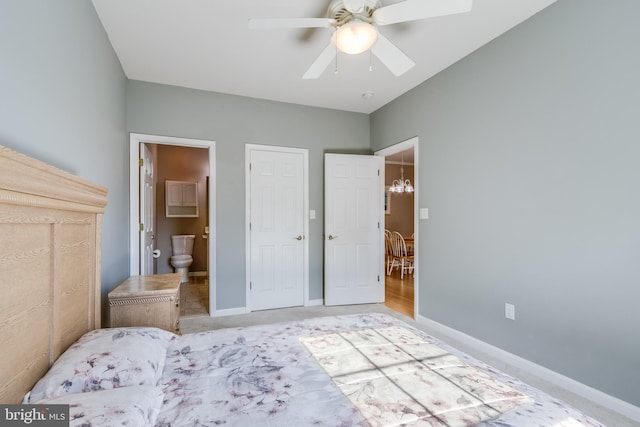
(200, 323)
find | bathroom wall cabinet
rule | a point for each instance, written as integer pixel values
(181, 199)
(152, 300)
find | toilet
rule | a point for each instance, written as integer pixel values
(181, 259)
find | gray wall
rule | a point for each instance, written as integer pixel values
(529, 165)
(232, 122)
(62, 100)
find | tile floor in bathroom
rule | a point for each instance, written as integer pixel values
(194, 296)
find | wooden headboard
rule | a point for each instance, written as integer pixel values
(50, 235)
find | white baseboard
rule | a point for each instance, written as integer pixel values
(245, 310)
(583, 390)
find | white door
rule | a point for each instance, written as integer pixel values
(353, 208)
(276, 229)
(147, 211)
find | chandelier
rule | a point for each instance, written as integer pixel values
(401, 185)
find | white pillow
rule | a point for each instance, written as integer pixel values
(126, 406)
(105, 359)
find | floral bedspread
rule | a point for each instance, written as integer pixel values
(395, 377)
(266, 376)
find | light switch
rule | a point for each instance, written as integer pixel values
(510, 311)
(424, 213)
(312, 214)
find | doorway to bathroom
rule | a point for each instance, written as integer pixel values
(174, 196)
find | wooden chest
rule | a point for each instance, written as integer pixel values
(152, 300)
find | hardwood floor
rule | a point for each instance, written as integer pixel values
(399, 293)
(194, 295)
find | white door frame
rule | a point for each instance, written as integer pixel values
(134, 201)
(247, 180)
(396, 148)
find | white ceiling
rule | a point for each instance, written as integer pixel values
(206, 44)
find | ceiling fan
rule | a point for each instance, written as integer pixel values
(355, 25)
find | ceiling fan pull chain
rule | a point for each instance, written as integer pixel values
(370, 60)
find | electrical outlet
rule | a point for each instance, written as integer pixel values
(510, 311)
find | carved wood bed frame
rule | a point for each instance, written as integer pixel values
(50, 237)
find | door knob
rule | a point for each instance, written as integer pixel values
(331, 237)
(299, 237)
(156, 253)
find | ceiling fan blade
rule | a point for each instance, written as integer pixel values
(412, 10)
(321, 63)
(391, 56)
(275, 23)
(353, 6)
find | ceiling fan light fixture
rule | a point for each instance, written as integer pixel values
(356, 37)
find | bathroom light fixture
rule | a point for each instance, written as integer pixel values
(401, 185)
(355, 37)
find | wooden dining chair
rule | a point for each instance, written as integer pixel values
(400, 258)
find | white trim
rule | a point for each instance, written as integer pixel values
(315, 302)
(305, 186)
(134, 203)
(396, 148)
(603, 399)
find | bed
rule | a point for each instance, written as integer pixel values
(350, 370)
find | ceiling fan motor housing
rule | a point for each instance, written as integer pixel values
(338, 11)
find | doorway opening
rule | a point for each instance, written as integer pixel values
(171, 164)
(401, 225)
